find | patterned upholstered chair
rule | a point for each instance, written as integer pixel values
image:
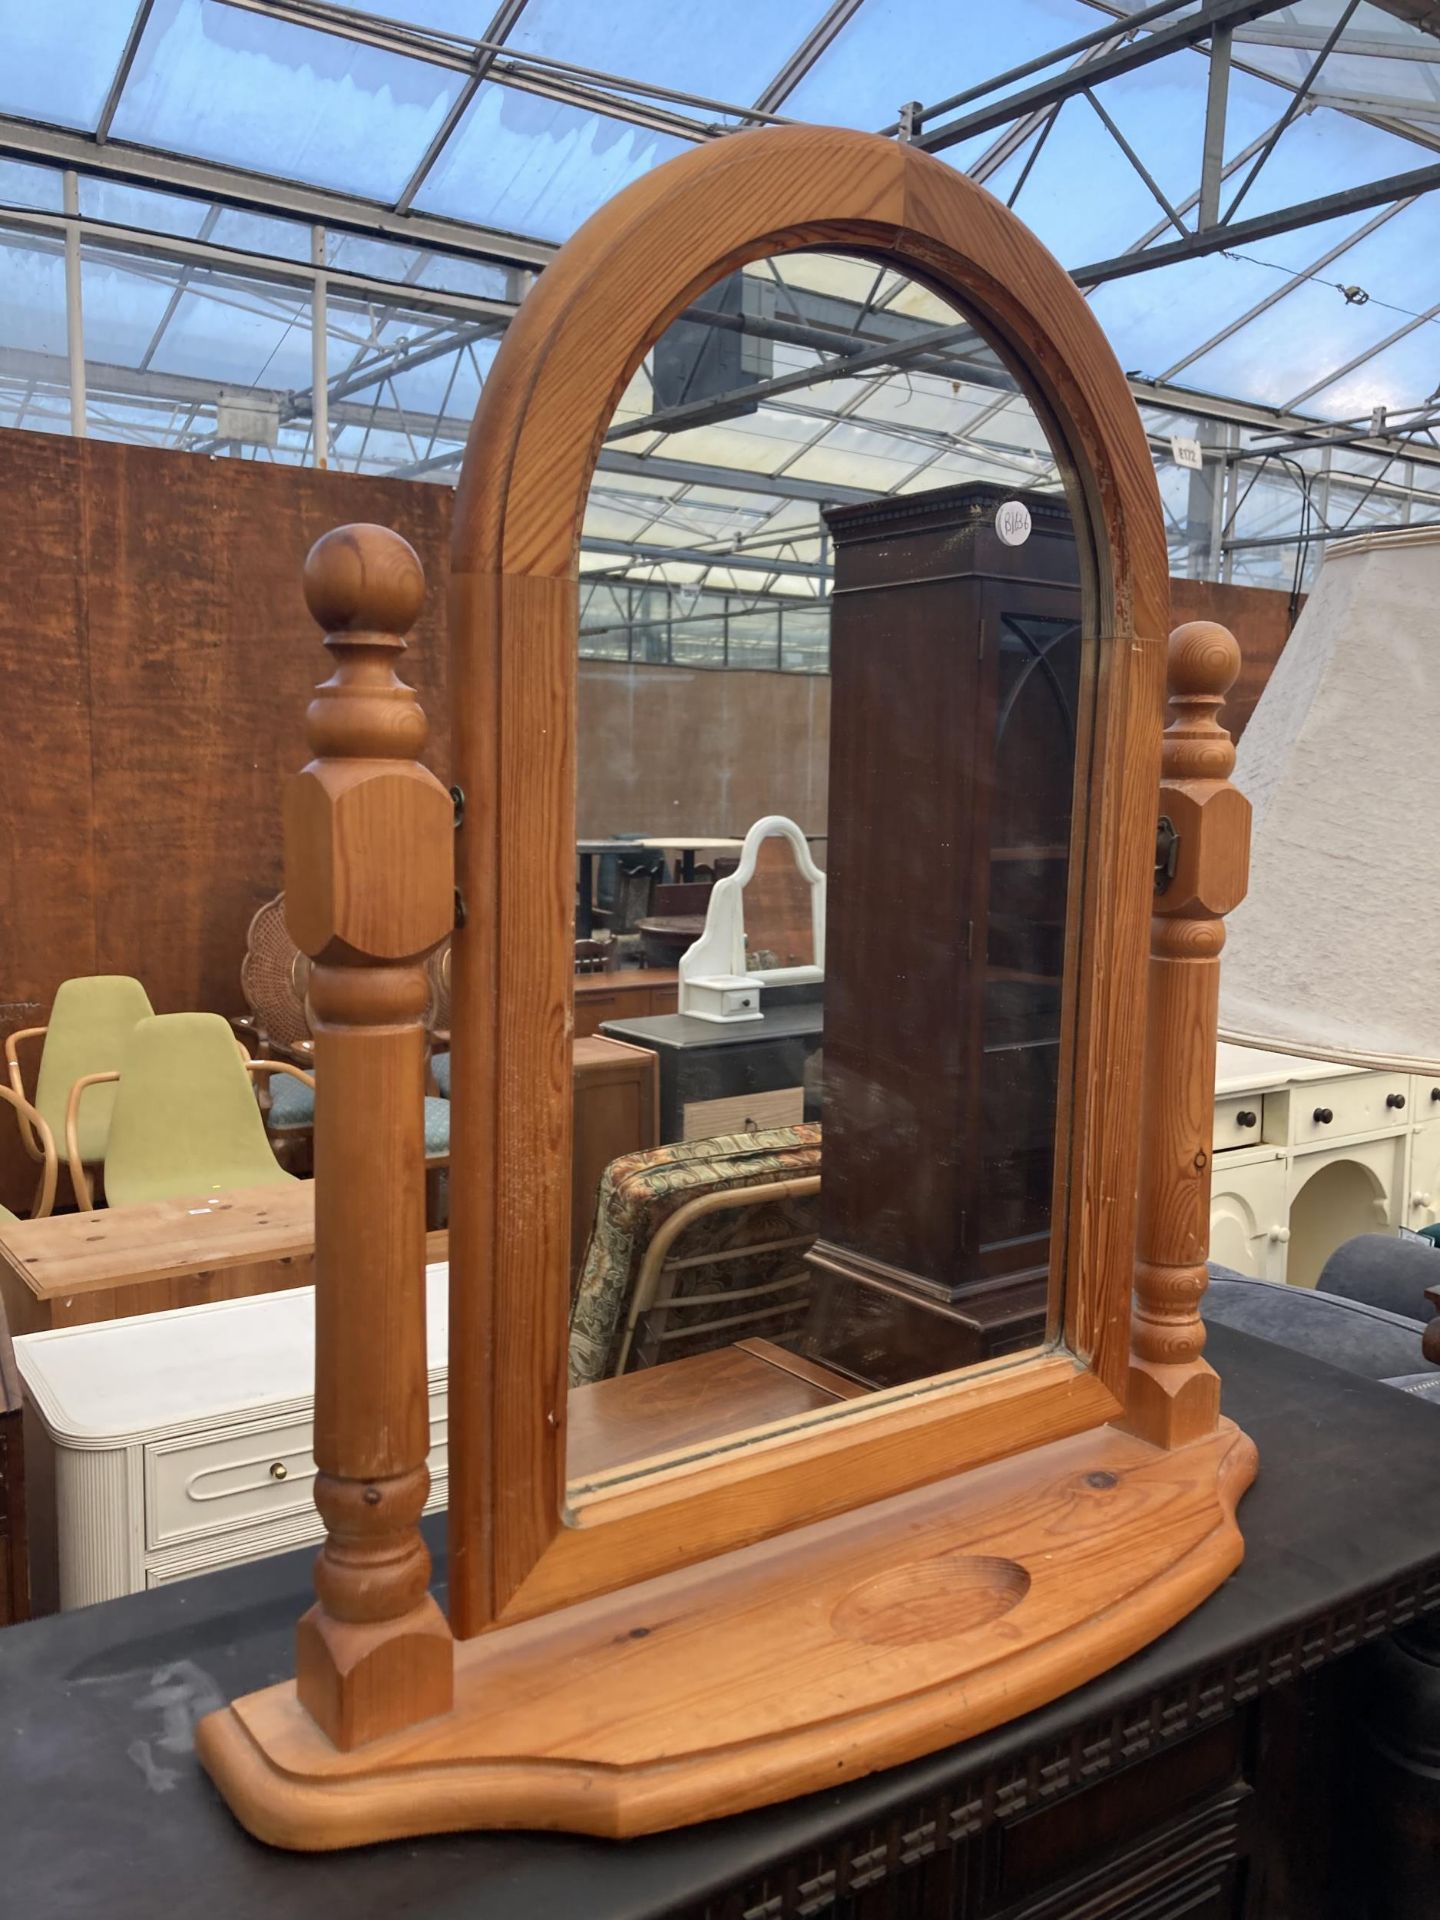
(696, 1245)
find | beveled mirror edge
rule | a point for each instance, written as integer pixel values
(527, 471)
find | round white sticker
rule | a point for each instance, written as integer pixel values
(1012, 522)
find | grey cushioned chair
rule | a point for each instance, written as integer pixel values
(1384, 1272)
(1348, 1332)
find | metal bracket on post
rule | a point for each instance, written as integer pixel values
(1167, 852)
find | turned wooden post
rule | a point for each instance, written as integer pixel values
(369, 891)
(1174, 1395)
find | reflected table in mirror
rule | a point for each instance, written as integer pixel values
(691, 1405)
(717, 1079)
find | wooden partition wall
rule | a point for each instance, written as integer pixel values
(158, 657)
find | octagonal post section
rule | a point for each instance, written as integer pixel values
(369, 891)
(1203, 858)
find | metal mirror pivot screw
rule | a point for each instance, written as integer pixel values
(1247, 1119)
(1323, 1116)
(1396, 1100)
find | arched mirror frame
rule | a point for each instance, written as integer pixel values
(565, 363)
(1103, 1507)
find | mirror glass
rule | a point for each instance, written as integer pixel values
(835, 711)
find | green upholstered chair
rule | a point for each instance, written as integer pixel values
(30, 1118)
(90, 1021)
(184, 1119)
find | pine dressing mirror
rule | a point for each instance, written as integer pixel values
(955, 1544)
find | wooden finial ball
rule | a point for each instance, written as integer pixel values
(1204, 660)
(364, 579)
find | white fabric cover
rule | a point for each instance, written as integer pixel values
(1335, 952)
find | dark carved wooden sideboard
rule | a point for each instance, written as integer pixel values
(1265, 1760)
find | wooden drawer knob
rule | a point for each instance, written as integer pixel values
(1247, 1119)
(1323, 1116)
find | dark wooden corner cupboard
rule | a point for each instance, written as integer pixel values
(959, 712)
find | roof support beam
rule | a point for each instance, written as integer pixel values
(1424, 14)
(732, 559)
(1293, 539)
(1380, 346)
(1126, 59)
(1357, 45)
(1137, 163)
(122, 70)
(1124, 25)
(842, 365)
(806, 54)
(1309, 213)
(498, 30)
(620, 96)
(199, 179)
(1287, 285)
(160, 252)
(1212, 159)
(1297, 101)
(697, 473)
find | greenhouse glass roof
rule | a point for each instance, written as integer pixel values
(294, 229)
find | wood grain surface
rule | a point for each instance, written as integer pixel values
(814, 1659)
(1173, 1396)
(76, 1268)
(369, 893)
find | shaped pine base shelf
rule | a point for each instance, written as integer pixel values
(808, 1660)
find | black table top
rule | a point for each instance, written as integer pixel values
(103, 1808)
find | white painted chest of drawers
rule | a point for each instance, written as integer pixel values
(175, 1443)
(1308, 1154)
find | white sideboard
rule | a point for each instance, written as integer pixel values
(1307, 1154)
(175, 1443)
